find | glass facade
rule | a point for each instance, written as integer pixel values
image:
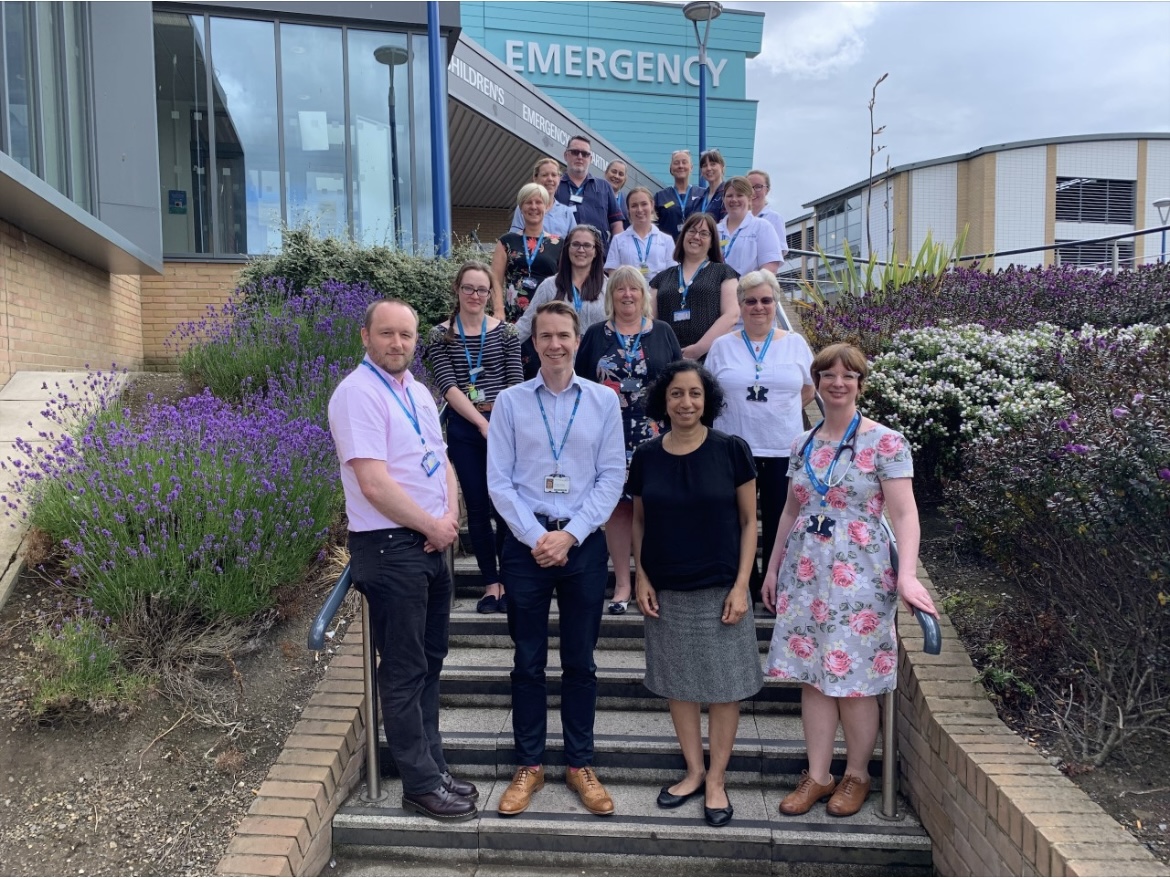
(838, 223)
(268, 122)
(45, 106)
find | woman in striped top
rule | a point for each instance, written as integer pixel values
(473, 357)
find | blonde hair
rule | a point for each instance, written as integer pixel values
(626, 276)
(528, 190)
(649, 195)
(540, 163)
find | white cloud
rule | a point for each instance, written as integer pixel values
(820, 39)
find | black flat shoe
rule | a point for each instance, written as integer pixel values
(718, 817)
(487, 604)
(502, 604)
(667, 800)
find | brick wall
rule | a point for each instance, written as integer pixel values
(991, 804)
(182, 293)
(488, 223)
(58, 312)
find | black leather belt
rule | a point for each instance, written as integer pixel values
(552, 524)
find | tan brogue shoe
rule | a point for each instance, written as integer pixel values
(806, 795)
(848, 798)
(593, 794)
(525, 783)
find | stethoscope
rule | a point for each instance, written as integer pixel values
(848, 442)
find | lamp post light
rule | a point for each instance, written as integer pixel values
(393, 56)
(705, 11)
(1163, 206)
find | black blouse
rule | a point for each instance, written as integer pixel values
(704, 299)
(520, 282)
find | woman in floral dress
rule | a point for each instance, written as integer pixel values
(830, 582)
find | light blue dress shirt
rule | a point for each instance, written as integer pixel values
(519, 457)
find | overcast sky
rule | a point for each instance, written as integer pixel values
(962, 75)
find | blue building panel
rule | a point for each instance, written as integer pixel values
(630, 71)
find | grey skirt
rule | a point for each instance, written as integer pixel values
(693, 657)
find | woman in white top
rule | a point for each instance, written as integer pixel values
(761, 185)
(643, 245)
(764, 372)
(749, 243)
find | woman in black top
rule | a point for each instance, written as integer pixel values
(694, 492)
(626, 352)
(522, 260)
(698, 297)
(711, 169)
(473, 357)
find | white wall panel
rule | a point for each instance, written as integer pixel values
(932, 205)
(1020, 177)
(1157, 186)
(1107, 160)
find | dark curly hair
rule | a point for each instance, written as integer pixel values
(713, 395)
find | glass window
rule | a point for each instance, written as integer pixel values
(247, 155)
(21, 122)
(379, 99)
(50, 92)
(180, 75)
(424, 237)
(314, 127)
(76, 93)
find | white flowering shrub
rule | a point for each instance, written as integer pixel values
(944, 387)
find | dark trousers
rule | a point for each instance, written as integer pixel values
(772, 486)
(467, 451)
(580, 590)
(409, 593)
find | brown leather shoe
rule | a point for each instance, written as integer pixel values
(849, 797)
(806, 795)
(525, 783)
(593, 795)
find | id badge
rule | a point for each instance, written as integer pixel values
(645, 270)
(556, 484)
(473, 393)
(669, 204)
(529, 284)
(724, 242)
(576, 199)
(430, 463)
(682, 314)
(630, 385)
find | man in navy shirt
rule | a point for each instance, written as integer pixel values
(592, 197)
(671, 204)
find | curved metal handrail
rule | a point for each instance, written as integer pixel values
(329, 610)
(931, 633)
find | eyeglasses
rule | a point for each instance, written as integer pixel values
(763, 300)
(468, 290)
(580, 154)
(701, 234)
(582, 245)
(842, 377)
(758, 187)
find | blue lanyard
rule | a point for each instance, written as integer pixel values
(472, 373)
(685, 288)
(731, 243)
(556, 452)
(822, 487)
(758, 358)
(683, 197)
(411, 413)
(630, 345)
(710, 197)
(638, 244)
(580, 188)
(531, 257)
(576, 299)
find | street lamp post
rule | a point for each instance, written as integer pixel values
(1163, 206)
(705, 11)
(393, 56)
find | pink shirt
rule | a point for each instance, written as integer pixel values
(366, 422)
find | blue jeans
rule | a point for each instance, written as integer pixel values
(580, 590)
(467, 451)
(409, 593)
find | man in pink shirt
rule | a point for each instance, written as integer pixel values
(400, 498)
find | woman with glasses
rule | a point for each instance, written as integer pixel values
(764, 372)
(748, 243)
(626, 353)
(560, 217)
(579, 280)
(642, 245)
(830, 582)
(711, 169)
(522, 260)
(698, 296)
(761, 185)
(473, 357)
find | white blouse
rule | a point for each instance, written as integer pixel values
(750, 246)
(656, 251)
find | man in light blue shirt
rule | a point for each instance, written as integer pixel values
(556, 466)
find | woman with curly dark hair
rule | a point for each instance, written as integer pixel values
(694, 492)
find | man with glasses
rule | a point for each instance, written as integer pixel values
(670, 204)
(592, 199)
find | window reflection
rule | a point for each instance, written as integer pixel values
(246, 135)
(48, 80)
(77, 121)
(314, 127)
(425, 231)
(21, 124)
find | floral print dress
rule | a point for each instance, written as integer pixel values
(836, 592)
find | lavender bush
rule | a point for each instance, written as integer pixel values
(1010, 299)
(1076, 505)
(200, 504)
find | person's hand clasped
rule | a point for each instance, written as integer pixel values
(647, 597)
(735, 605)
(552, 549)
(914, 594)
(443, 534)
(483, 429)
(768, 592)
